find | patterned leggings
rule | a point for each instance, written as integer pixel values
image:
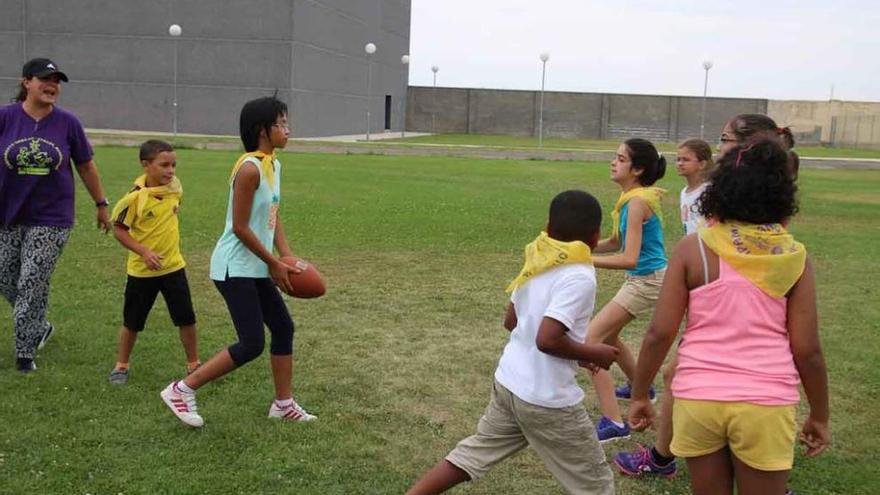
(28, 255)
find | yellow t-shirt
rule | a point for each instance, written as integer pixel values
(154, 225)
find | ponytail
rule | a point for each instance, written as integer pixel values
(22, 93)
(787, 137)
(645, 157)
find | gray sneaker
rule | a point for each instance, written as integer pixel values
(118, 377)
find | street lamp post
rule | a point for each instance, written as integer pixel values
(370, 48)
(175, 31)
(405, 61)
(434, 69)
(544, 58)
(707, 64)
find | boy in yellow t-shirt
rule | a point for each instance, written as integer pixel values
(145, 222)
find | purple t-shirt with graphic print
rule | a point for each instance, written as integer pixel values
(36, 176)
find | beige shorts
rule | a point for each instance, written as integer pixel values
(639, 293)
(563, 438)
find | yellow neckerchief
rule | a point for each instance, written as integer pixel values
(767, 254)
(267, 166)
(650, 195)
(545, 253)
(139, 195)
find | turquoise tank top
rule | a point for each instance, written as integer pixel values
(231, 257)
(652, 256)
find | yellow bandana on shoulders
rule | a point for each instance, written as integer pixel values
(267, 166)
(140, 193)
(767, 254)
(651, 195)
(545, 253)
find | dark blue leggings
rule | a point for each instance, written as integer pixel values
(253, 302)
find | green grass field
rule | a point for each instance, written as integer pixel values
(397, 358)
(600, 144)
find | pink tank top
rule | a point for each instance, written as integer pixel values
(735, 346)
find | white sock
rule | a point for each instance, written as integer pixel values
(284, 403)
(181, 387)
(619, 425)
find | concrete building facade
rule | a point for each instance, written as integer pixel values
(121, 60)
(570, 115)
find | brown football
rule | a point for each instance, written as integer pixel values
(307, 284)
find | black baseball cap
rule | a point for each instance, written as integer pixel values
(41, 67)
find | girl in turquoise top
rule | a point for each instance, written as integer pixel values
(246, 272)
(637, 240)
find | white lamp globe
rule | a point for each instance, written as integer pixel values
(545, 57)
(370, 48)
(404, 59)
(175, 30)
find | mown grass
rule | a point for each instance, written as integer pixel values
(397, 358)
(602, 144)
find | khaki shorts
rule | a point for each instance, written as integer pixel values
(760, 436)
(639, 293)
(563, 438)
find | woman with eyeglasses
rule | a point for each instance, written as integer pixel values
(749, 128)
(42, 144)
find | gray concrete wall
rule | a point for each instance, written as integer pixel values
(120, 59)
(582, 115)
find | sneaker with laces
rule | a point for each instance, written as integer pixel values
(625, 392)
(118, 377)
(46, 334)
(291, 412)
(182, 405)
(607, 431)
(640, 461)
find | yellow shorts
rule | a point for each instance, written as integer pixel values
(760, 436)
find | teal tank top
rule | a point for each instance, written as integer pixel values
(652, 256)
(231, 257)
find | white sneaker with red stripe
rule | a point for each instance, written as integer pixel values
(182, 405)
(291, 412)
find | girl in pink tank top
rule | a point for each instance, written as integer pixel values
(751, 335)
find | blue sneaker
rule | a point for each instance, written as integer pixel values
(641, 462)
(625, 392)
(607, 431)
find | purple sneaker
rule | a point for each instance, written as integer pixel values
(625, 392)
(607, 431)
(642, 462)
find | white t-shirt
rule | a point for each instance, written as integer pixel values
(690, 215)
(566, 294)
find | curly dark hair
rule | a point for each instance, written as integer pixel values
(751, 184)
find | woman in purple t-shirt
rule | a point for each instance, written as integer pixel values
(38, 143)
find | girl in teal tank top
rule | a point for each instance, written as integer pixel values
(246, 271)
(637, 241)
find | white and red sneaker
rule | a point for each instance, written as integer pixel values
(183, 405)
(290, 412)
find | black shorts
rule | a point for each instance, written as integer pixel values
(140, 294)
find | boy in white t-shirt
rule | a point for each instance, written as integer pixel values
(536, 400)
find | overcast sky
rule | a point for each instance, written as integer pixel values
(779, 49)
